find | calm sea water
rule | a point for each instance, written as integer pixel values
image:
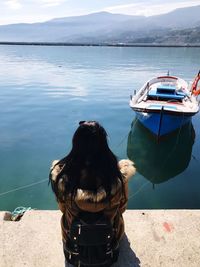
(46, 91)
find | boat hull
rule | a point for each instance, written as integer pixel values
(162, 123)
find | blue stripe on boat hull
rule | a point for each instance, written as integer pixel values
(169, 123)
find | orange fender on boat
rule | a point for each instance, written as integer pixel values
(196, 92)
(194, 89)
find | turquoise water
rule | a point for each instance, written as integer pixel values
(46, 91)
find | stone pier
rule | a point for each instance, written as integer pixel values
(153, 238)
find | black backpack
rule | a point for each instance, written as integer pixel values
(91, 241)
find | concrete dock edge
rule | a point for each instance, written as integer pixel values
(153, 238)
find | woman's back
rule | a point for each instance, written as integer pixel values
(89, 181)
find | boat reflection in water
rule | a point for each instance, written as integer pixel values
(160, 161)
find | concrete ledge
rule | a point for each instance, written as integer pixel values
(153, 238)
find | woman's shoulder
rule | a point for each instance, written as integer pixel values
(127, 168)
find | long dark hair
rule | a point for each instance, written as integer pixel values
(91, 157)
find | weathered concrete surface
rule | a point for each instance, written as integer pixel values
(157, 238)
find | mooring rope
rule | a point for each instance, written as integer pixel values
(133, 195)
(36, 183)
(121, 142)
(176, 143)
(22, 187)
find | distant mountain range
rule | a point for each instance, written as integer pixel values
(181, 26)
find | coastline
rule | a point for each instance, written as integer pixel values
(153, 238)
(99, 44)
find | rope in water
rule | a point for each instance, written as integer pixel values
(22, 187)
(44, 180)
(39, 182)
(124, 138)
(176, 143)
(133, 195)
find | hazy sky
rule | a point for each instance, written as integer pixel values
(15, 11)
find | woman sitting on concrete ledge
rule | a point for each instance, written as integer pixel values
(91, 188)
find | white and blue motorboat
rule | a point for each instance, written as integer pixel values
(166, 103)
